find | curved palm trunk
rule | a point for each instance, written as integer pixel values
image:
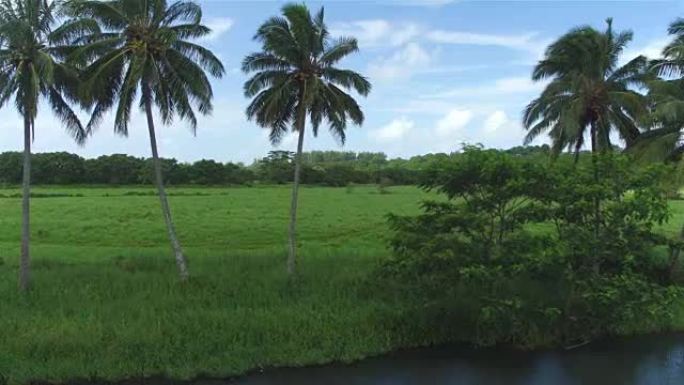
(25, 261)
(292, 234)
(166, 210)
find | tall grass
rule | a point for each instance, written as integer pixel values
(131, 318)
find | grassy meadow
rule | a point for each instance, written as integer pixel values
(97, 224)
(106, 302)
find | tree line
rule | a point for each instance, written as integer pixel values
(323, 168)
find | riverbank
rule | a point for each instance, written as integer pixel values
(131, 319)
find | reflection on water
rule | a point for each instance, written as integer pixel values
(652, 360)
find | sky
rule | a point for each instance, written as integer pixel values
(444, 72)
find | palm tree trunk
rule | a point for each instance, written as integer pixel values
(675, 251)
(292, 234)
(596, 263)
(25, 261)
(159, 180)
(292, 255)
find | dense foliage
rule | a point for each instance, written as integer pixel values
(326, 168)
(520, 252)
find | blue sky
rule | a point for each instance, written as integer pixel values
(444, 72)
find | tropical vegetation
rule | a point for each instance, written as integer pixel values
(531, 246)
(325, 168)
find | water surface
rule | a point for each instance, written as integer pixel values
(650, 360)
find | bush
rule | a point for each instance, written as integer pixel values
(540, 253)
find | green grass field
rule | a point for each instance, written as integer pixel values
(96, 224)
(106, 302)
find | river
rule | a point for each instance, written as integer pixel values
(649, 360)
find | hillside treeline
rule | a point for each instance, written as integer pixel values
(327, 168)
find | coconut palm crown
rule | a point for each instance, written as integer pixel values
(31, 46)
(296, 76)
(587, 90)
(145, 47)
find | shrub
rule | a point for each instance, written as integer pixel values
(541, 253)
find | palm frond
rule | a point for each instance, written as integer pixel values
(339, 49)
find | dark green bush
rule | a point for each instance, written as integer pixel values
(541, 253)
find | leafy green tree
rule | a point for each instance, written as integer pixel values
(144, 47)
(238, 174)
(31, 47)
(513, 244)
(58, 168)
(208, 172)
(296, 78)
(276, 167)
(587, 90)
(10, 167)
(147, 173)
(117, 169)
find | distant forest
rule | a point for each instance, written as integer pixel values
(327, 168)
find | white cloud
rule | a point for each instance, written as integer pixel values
(367, 32)
(401, 64)
(453, 123)
(503, 86)
(377, 32)
(404, 34)
(470, 38)
(494, 122)
(652, 50)
(218, 26)
(289, 142)
(380, 32)
(395, 130)
(499, 131)
(527, 42)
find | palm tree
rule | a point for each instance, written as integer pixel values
(31, 45)
(587, 89)
(663, 140)
(296, 78)
(143, 48)
(663, 135)
(672, 62)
